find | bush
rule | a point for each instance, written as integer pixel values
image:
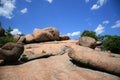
(4, 40)
(89, 34)
(7, 38)
(112, 43)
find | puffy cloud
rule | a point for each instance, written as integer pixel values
(95, 6)
(15, 31)
(50, 1)
(24, 10)
(105, 22)
(7, 7)
(87, 1)
(99, 29)
(117, 24)
(28, 1)
(74, 33)
(98, 4)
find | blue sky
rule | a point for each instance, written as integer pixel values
(70, 17)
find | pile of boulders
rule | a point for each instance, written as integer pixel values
(59, 60)
(42, 35)
(11, 52)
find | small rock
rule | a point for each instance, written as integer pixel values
(64, 37)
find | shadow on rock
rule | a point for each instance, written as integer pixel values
(88, 66)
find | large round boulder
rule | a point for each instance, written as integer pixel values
(53, 31)
(87, 42)
(42, 36)
(11, 52)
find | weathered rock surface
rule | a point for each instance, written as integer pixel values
(64, 37)
(99, 60)
(29, 38)
(57, 66)
(53, 31)
(11, 52)
(22, 39)
(17, 37)
(87, 42)
(42, 36)
(33, 51)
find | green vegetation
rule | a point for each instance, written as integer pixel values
(43, 52)
(7, 38)
(24, 58)
(110, 43)
(89, 34)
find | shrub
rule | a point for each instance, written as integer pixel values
(24, 58)
(112, 43)
(4, 40)
(7, 38)
(89, 34)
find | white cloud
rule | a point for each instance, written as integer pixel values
(24, 10)
(98, 4)
(7, 8)
(87, 1)
(74, 33)
(99, 29)
(117, 24)
(95, 6)
(106, 22)
(28, 1)
(15, 32)
(50, 1)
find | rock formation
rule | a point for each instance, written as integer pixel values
(53, 31)
(42, 36)
(88, 42)
(50, 61)
(29, 38)
(64, 37)
(96, 59)
(11, 52)
(50, 56)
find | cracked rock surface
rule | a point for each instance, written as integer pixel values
(57, 66)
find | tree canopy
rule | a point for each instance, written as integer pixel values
(89, 34)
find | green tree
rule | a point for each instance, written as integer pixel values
(8, 30)
(7, 38)
(112, 43)
(89, 34)
(2, 31)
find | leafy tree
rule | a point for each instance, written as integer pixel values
(9, 29)
(102, 38)
(2, 31)
(112, 43)
(7, 38)
(89, 34)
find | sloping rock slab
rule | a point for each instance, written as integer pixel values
(99, 60)
(34, 51)
(52, 68)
